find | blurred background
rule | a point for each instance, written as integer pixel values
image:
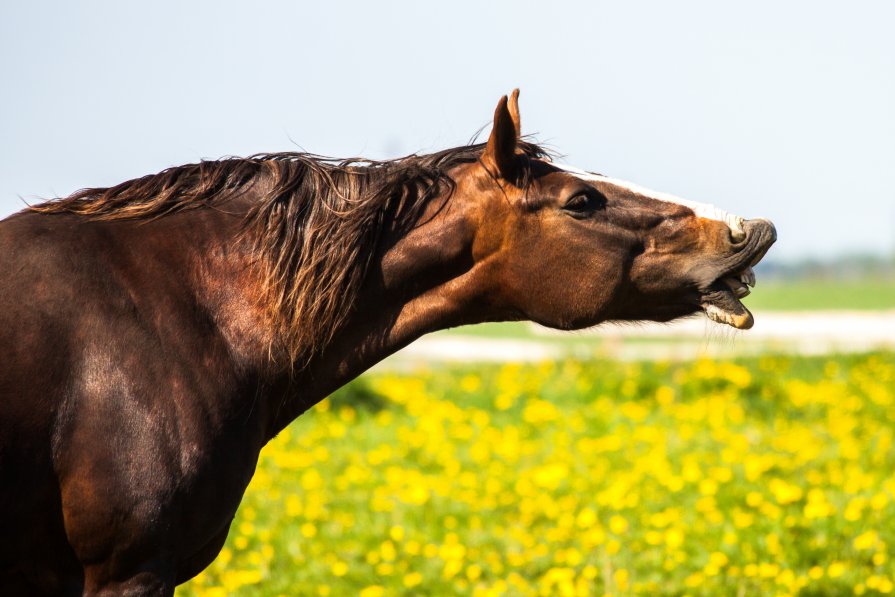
(777, 110)
(780, 110)
(773, 469)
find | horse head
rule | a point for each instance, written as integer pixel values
(569, 249)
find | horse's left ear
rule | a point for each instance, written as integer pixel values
(500, 153)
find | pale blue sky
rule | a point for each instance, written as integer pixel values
(776, 109)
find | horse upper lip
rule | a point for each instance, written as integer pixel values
(760, 235)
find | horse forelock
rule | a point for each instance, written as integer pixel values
(315, 228)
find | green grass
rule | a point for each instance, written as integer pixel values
(815, 295)
(764, 476)
(518, 330)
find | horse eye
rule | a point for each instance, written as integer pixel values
(582, 204)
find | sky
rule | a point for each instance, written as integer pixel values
(783, 110)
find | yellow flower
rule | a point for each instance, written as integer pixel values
(784, 493)
(311, 480)
(412, 579)
(396, 533)
(340, 568)
(866, 540)
(754, 499)
(586, 518)
(694, 580)
(786, 578)
(224, 556)
(385, 569)
(539, 411)
(613, 547)
(504, 401)
(473, 572)
(708, 487)
(665, 395)
(412, 548)
(470, 383)
(235, 579)
(387, 550)
(674, 538)
(618, 525)
(836, 569)
(451, 568)
(621, 579)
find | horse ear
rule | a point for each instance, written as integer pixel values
(514, 112)
(500, 153)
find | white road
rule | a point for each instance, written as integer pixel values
(815, 332)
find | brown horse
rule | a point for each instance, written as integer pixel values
(158, 333)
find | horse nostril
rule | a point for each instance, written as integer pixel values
(737, 231)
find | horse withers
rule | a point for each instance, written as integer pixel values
(158, 333)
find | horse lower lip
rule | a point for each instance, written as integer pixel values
(722, 305)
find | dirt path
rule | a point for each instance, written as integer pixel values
(816, 332)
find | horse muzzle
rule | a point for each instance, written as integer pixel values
(721, 300)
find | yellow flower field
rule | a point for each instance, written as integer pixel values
(772, 476)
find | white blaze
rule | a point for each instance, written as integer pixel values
(702, 210)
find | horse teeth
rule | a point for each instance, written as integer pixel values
(747, 277)
(737, 287)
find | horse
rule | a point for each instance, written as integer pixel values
(158, 333)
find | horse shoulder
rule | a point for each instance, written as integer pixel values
(140, 405)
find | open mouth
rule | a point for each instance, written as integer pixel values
(721, 301)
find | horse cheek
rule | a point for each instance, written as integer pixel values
(567, 292)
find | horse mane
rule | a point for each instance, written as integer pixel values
(315, 229)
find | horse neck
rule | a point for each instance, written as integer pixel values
(370, 336)
(426, 281)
